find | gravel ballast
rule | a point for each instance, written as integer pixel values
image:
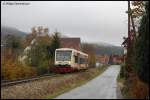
(40, 88)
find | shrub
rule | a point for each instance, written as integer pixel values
(11, 70)
(43, 67)
(137, 88)
(122, 70)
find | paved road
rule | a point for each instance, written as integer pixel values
(102, 87)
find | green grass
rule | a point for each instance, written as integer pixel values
(76, 83)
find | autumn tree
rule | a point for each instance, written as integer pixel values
(134, 14)
(11, 68)
(29, 37)
(42, 52)
(140, 45)
(90, 50)
(55, 43)
(39, 55)
(13, 46)
(137, 52)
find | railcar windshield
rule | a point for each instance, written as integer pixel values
(63, 55)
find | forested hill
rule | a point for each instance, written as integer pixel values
(109, 50)
(5, 30)
(11, 30)
(104, 48)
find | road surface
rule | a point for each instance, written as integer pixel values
(102, 87)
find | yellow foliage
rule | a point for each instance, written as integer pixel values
(44, 39)
(11, 70)
(92, 60)
(138, 8)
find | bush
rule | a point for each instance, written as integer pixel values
(137, 88)
(11, 70)
(43, 67)
(122, 70)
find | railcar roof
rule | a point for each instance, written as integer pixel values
(72, 50)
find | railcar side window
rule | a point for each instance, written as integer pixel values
(76, 59)
(82, 61)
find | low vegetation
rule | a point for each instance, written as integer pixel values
(11, 70)
(134, 74)
(132, 87)
(38, 59)
(36, 51)
(77, 81)
(50, 87)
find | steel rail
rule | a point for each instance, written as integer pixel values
(14, 82)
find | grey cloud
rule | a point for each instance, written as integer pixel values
(93, 21)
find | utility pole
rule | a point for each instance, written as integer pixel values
(128, 44)
(132, 20)
(128, 38)
(129, 11)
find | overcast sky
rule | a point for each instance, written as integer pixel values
(92, 21)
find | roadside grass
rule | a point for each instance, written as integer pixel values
(133, 87)
(80, 80)
(121, 85)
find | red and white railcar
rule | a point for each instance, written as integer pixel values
(68, 60)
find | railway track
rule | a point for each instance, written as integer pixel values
(5, 83)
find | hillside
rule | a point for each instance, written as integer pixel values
(5, 30)
(108, 49)
(100, 48)
(10, 30)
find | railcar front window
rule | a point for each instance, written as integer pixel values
(63, 55)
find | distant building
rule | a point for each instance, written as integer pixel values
(110, 60)
(73, 43)
(102, 59)
(117, 59)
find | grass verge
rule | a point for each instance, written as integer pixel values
(132, 87)
(121, 86)
(81, 79)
